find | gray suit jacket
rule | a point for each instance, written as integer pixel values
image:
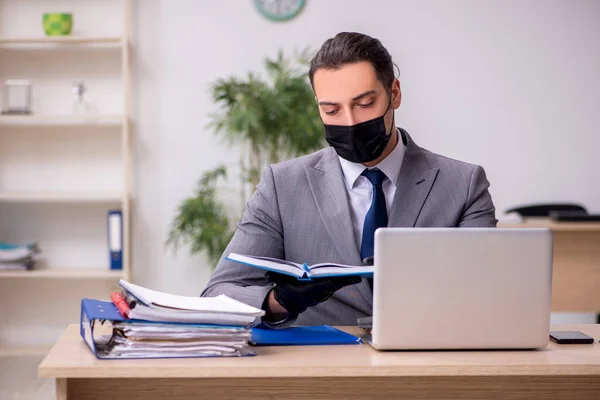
(300, 212)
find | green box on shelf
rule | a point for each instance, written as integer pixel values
(58, 24)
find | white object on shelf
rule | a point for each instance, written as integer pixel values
(62, 120)
(60, 197)
(16, 97)
(64, 273)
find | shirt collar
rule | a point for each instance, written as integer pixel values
(390, 165)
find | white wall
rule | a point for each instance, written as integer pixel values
(511, 85)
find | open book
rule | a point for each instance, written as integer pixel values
(302, 271)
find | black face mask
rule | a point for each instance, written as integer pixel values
(362, 142)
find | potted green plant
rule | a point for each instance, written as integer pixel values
(272, 118)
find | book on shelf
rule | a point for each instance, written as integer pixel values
(15, 257)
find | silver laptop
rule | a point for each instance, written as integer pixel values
(461, 288)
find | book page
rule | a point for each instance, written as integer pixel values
(341, 266)
(271, 264)
(341, 271)
(278, 261)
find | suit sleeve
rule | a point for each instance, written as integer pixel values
(479, 209)
(259, 233)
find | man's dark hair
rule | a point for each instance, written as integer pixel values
(352, 47)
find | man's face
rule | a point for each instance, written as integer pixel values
(352, 94)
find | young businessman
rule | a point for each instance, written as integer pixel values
(326, 206)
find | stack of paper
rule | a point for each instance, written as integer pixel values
(14, 257)
(141, 340)
(151, 305)
(162, 325)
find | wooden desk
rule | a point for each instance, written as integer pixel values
(576, 272)
(332, 372)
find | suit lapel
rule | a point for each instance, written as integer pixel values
(413, 186)
(326, 181)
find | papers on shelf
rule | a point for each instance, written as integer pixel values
(15, 257)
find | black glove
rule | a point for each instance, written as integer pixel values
(296, 296)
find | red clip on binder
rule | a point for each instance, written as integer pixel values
(121, 303)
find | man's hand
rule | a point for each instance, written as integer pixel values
(296, 296)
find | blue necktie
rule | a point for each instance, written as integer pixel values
(376, 216)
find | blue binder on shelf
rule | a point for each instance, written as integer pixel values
(115, 239)
(302, 336)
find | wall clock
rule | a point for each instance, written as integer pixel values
(279, 10)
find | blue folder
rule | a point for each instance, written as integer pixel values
(301, 336)
(114, 230)
(94, 312)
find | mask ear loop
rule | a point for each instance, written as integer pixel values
(397, 76)
(393, 114)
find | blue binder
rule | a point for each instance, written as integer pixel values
(94, 312)
(302, 336)
(114, 223)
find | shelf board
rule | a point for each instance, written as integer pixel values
(60, 197)
(60, 40)
(61, 120)
(65, 273)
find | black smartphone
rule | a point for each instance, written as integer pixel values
(570, 337)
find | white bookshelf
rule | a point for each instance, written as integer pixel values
(61, 171)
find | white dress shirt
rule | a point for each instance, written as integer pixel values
(360, 189)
